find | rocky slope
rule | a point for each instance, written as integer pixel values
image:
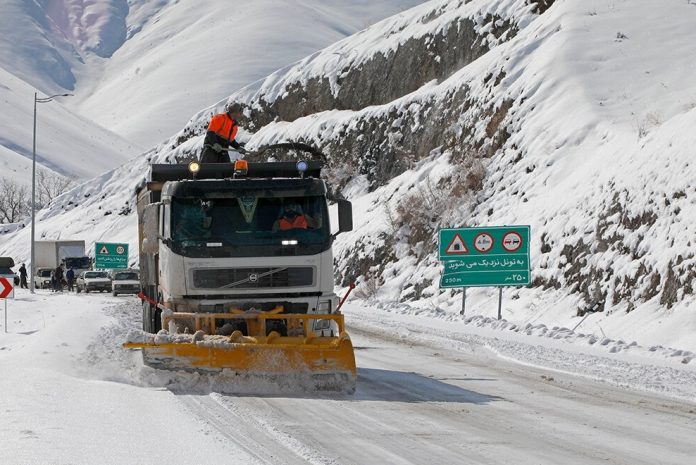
(464, 83)
(571, 116)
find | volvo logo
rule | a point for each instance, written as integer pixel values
(253, 277)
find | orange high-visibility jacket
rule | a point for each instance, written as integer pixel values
(224, 126)
(300, 222)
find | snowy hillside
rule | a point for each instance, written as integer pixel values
(176, 57)
(573, 116)
(66, 143)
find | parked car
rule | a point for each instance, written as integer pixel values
(125, 282)
(6, 264)
(8, 272)
(93, 281)
(42, 280)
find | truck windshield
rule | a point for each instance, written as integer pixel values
(126, 276)
(96, 274)
(251, 223)
(78, 263)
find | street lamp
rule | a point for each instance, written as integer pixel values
(33, 183)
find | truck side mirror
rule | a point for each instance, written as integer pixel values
(151, 229)
(345, 216)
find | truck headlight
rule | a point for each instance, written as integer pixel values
(320, 325)
(194, 167)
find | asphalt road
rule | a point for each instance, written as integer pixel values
(417, 404)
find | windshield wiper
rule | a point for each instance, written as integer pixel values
(248, 279)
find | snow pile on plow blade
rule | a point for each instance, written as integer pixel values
(323, 362)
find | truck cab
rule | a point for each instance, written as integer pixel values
(78, 264)
(251, 237)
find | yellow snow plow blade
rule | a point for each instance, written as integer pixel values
(327, 360)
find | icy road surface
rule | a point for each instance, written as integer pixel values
(71, 395)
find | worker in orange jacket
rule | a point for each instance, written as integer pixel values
(291, 217)
(221, 134)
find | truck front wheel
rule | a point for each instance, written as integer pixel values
(157, 321)
(152, 318)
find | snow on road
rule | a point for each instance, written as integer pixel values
(66, 400)
(429, 391)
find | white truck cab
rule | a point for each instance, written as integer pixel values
(237, 237)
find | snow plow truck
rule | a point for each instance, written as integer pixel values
(237, 273)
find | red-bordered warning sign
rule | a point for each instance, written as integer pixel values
(483, 242)
(457, 246)
(512, 241)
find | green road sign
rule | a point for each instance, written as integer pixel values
(486, 256)
(489, 278)
(110, 256)
(519, 262)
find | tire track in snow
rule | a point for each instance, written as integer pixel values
(258, 437)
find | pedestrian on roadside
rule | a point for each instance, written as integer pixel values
(23, 276)
(70, 276)
(58, 274)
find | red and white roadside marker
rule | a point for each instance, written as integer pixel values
(6, 287)
(6, 292)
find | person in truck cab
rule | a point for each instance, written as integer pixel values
(221, 135)
(291, 217)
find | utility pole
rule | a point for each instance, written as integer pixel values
(33, 184)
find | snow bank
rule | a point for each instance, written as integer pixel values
(657, 369)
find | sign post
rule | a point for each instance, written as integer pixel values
(6, 291)
(485, 256)
(110, 256)
(463, 302)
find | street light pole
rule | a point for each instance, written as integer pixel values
(33, 206)
(33, 184)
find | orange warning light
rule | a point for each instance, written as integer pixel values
(241, 167)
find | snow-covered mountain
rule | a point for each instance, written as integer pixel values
(141, 68)
(66, 143)
(571, 116)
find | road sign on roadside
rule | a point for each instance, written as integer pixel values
(6, 287)
(110, 256)
(457, 246)
(498, 256)
(6, 291)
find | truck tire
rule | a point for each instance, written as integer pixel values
(152, 318)
(278, 326)
(146, 317)
(157, 320)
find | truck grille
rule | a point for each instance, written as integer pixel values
(253, 278)
(127, 287)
